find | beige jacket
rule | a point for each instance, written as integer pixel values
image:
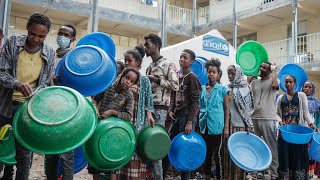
(166, 71)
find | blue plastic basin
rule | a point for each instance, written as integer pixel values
(80, 161)
(187, 152)
(100, 40)
(240, 165)
(296, 134)
(314, 150)
(87, 69)
(294, 70)
(249, 152)
(199, 69)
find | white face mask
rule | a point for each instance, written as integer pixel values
(63, 42)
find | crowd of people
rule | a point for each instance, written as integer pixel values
(163, 95)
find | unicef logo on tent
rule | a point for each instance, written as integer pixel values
(216, 45)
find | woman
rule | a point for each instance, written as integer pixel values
(241, 106)
(142, 114)
(309, 89)
(292, 107)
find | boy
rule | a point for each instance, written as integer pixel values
(184, 102)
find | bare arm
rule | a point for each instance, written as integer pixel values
(275, 84)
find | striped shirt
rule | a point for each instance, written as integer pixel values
(121, 102)
(8, 70)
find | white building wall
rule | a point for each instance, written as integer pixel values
(273, 32)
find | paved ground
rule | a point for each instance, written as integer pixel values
(37, 170)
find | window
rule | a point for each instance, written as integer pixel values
(267, 1)
(133, 42)
(302, 38)
(244, 38)
(116, 39)
(302, 29)
(124, 41)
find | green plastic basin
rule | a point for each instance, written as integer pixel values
(7, 149)
(55, 120)
(112, 144)
(153, 143)
(250, 55)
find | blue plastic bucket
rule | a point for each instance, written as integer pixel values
(187, 152)
(294, 70)
(100, 40)
(249, 152)
(87, 69)
(199, 69)
(80, 161)
(296, 134)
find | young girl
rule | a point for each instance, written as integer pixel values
(241, 107)
(214, 117)
(142, 114)
(292, 107)
(117, 101)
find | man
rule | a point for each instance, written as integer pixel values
(264, 112)
(66, 35)
(26, 64)
(164, 79)
(1, 37)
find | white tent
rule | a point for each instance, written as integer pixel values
(210, 45)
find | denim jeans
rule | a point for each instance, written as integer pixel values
(23, 155)
(160, 116)
(177, 127)
(51, 164)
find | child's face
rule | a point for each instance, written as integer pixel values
(213, 74)
(231, 74)
(130, 61)
(185, 60)
(128, 80)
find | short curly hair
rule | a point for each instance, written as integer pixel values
(74, 33)
(191, 53)
(155, 39)
(213, 62)
(38, 18)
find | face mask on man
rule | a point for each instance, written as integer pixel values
(63, 42)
